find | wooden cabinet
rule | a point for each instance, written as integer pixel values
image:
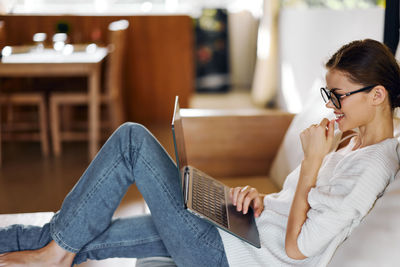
(159, 62)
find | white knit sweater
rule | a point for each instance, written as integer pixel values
(348, 184)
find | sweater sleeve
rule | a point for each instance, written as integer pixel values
(337, 207)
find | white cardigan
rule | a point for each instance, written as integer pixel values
(348, 184)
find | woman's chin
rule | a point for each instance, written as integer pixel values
(341, 127)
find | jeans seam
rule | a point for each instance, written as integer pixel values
(96, 187)
(134, 151)
(57, 238)
(123, 243)
(222, 257)
(208, 241)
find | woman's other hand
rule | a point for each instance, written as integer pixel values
(244, 197)
(317, 139)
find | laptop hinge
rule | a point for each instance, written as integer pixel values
(186, 185)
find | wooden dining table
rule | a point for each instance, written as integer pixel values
(79, 61)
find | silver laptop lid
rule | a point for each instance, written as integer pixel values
(179, 141)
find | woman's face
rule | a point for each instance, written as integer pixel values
(355, 111)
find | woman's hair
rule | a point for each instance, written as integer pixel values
(369, 62)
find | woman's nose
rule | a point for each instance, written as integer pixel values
(329, 104)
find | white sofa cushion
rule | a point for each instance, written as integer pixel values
(35, 218)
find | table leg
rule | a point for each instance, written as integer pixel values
(94, 111)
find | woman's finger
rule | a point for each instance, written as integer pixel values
(249, 198)
(235, 195)
(324, 122)
(258, 206)
(331, 128)
(242, 194)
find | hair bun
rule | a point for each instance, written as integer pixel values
(396, 102)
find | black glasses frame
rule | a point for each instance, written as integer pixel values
(327, 94)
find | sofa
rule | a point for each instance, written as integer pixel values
(375, 242)
(260, 148)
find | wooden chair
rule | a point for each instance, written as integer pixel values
(24, 130)
(2, 41)
(19, 97)
(111, 97)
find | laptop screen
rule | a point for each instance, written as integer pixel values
(179, 141)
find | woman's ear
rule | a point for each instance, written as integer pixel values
(379, 95)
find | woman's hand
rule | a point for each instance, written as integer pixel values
(244, 197)
(317, 139)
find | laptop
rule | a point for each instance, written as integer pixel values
(208, 198)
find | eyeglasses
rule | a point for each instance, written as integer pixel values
(335, 97)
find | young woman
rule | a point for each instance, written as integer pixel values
(320, 204)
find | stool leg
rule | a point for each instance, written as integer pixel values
(55, 126)
(44, 139)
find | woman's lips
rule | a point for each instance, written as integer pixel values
(339, 117)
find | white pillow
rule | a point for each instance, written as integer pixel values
(35, 218)
(290, 153)
(376, 241)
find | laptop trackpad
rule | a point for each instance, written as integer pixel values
(243, 225)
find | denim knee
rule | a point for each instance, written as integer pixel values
(132, 129)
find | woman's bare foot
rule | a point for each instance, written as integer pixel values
(51, 255)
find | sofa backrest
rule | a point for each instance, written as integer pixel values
(224, 144)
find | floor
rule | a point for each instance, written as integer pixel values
(31, 183)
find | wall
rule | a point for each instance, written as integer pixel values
(243, 27)
(308, 37)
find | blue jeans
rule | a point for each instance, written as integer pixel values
(84, 224)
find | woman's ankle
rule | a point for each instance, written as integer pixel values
(56, 252)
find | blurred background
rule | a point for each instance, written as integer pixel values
(238, 54)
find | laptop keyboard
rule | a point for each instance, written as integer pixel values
(208, 199)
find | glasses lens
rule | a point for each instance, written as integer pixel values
(324, 95)
(327, 95)
(335, 100)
